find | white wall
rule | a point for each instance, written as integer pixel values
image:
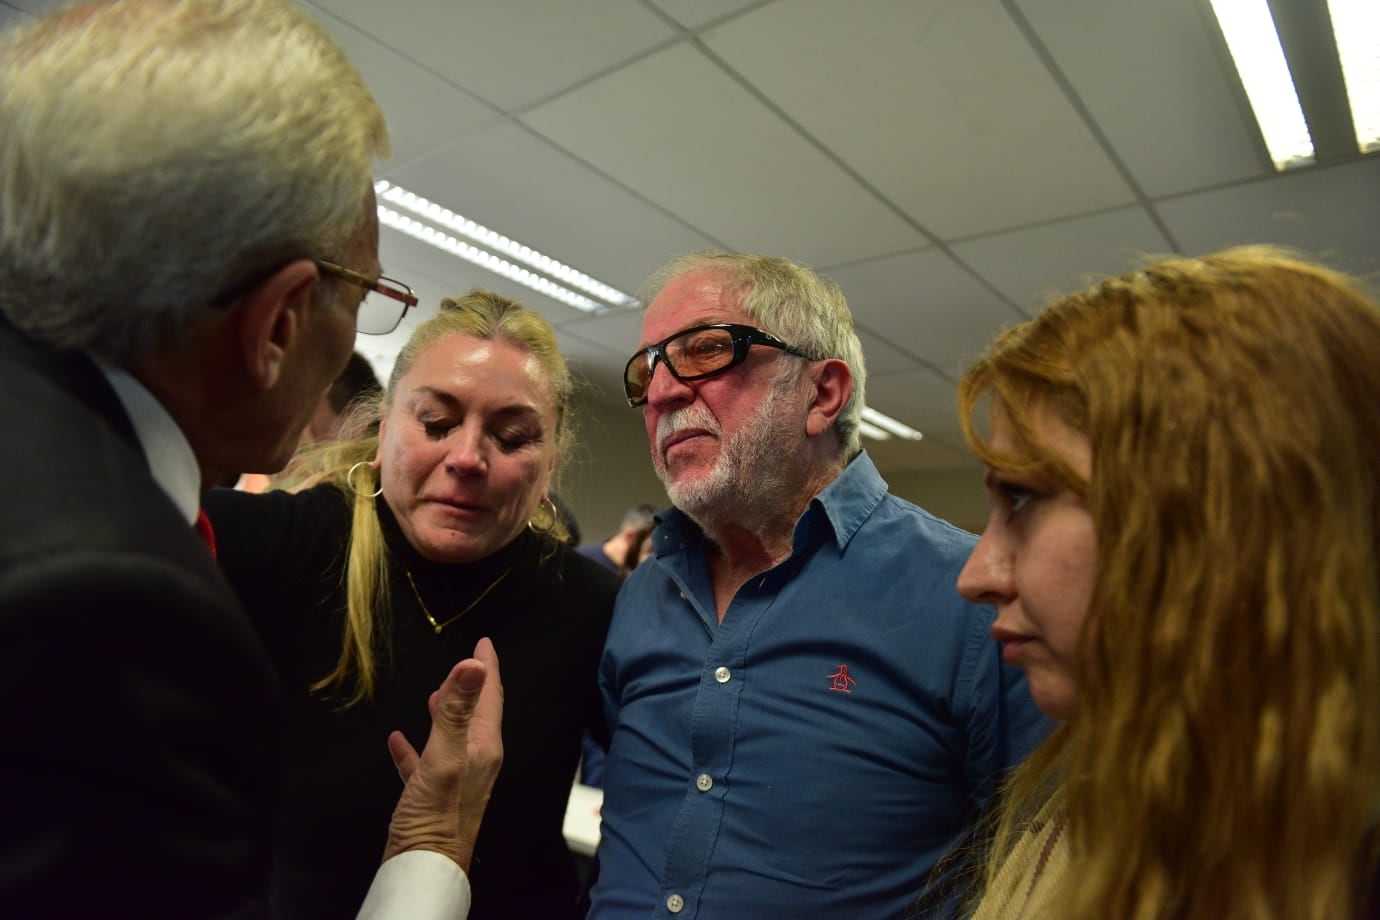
(612, 471)
(957, 496)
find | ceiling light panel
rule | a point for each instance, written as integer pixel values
(486, 260)
(888, 424)
(872, 431)
(509, 249)
(1356, 25)
(1249, 30)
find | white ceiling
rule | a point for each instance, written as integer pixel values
(949, 162)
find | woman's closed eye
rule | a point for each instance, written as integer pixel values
(512, 439)
(436, 429)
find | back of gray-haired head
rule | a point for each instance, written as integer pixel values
(158, 153)
(640, 517)
(794, 304)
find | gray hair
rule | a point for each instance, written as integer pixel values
(794, 304)
(639, 517)
(159, 153)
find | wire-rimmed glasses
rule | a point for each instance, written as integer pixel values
(378, 317)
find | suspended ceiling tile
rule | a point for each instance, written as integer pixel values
(421, 109)
(518, 184)
(619, 331)
(1153, 80)
(926, 304)
(940, 104)
(1331, 213)
(509, 52)
(36, 7)
(1029, 265)
(694, 13)
(920, 398)
(9, 16)
(882, 356)
(695, 142)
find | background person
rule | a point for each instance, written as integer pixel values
(434, 533)
(620, 553)
(638, 551)
(612, 554)
(1184, 473)
(785, 744)
(183, 188)
(354, 385)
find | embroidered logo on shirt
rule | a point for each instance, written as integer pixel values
(841, 680)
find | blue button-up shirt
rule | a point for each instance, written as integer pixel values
(815, 753)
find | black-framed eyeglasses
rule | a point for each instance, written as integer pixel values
(378, 317)
(697, 353)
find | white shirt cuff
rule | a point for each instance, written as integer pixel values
(418, 885)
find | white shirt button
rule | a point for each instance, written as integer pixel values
(675, 903)
(723, 675)
(704, 782)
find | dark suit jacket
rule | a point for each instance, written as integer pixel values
(139, 718)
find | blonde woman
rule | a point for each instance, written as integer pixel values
(418, 541)
(1184, 477)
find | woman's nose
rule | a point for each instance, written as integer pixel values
(986, 576)
(465, 452)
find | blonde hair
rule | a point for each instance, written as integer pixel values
(803, 309)
(485, 316)
(1224, 761)
(159, 153)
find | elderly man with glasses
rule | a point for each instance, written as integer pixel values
(806, 715)
(187, 233)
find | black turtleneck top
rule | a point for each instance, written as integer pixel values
(547, 617)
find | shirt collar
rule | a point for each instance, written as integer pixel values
(170, 457)
(851, 498)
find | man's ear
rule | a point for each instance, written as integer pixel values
(271, 320)
(833, 384)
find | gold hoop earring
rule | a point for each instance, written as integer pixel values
(547, 505)
(350, 481)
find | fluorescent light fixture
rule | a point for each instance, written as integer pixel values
(871, 418)
(486, 260)
(1254, 44)
(1356, 25)
(869, 430)
(498, 243)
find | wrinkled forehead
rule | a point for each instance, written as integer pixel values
(695, 298)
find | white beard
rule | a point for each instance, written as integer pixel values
(752, 479)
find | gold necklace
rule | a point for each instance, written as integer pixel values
(432, 620)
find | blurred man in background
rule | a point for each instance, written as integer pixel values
(612, 554)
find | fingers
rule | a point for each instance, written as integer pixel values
(405, 756)
(466, 711)
(447, 786)
(454, 702)
(488, 709)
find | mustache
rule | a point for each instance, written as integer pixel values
(684, 419)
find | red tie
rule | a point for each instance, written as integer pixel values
(205, 531)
